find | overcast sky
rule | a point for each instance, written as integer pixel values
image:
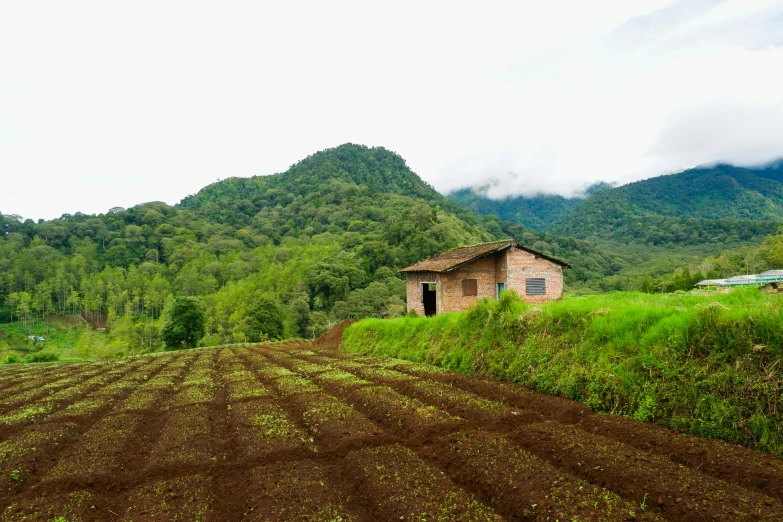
(106, 104)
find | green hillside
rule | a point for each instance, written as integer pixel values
(722, 205)
(321, 242)
(719, 192)
(537, 212)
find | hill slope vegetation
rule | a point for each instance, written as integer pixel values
(319, 243)
(719, 204)
(535, 212)
(322, 240)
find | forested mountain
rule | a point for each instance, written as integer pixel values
(660, 234)
(718, 192)
(717, 204)
(537, 212)
(706, 205)
(322, 240)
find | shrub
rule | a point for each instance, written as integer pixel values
(12, 358)
(42, 356)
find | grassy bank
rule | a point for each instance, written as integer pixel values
(707, 365)
(65, 341)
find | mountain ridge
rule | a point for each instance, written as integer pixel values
(322, 240)
(537, 212)
(720, 202)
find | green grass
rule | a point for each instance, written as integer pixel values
(707, 365)
(62, 341)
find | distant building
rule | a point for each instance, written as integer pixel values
(770, 277)
(743, 280)
(710, 283)
(454, 280)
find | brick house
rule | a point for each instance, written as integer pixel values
(454, 280)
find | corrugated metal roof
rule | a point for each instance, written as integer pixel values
(710, 282)
(769, 276)
(742, 280)
(457, 257)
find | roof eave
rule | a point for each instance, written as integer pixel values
(482, 256)
(500, 248)
(544, 256)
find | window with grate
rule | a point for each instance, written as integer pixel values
(535, 286)
(469, 287)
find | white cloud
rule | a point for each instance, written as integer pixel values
(105, 104)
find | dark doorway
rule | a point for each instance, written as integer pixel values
(428, 298)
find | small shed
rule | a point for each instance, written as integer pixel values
(454, 280)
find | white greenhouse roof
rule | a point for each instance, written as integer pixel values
(710, 282)
(770, 276)
(747, 279)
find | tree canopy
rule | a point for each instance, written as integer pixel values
(186, 325)
(323, 241)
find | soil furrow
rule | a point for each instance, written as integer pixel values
(282, 432)
(521, 486)
(572, 416)
(76, 452)
(746, 468)
(40, 447)
(519, 493)
(227, 499)
(333, 463)
(678, 492)
(53, 404)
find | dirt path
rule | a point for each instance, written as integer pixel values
(297, 432)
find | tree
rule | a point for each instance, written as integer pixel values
(186, 324)
(772, 250)
(265, 321)
(301, 311)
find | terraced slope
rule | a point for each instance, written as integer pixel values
(288, 433)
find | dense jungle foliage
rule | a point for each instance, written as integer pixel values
(536, 212)
(321, 242)
(721, 205)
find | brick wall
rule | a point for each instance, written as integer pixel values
(522, 265)
(512, 266)
(482, 270)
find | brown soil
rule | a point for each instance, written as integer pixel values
(278, 432)
(332, 339)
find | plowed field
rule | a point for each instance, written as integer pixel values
(287, 433)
